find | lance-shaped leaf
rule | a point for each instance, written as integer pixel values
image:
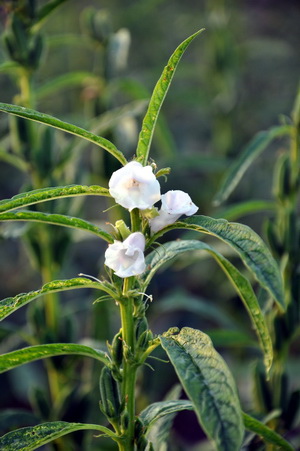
(31, 438)
(250, 247)
(256, 146)
(10, 305)
(268, 435)
(41, 195)
(157, 99)
(16, 358)
(242, 286)
(61, 220)
(65, 126)
(209, 385)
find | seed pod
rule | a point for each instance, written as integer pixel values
(109, 392)
(125, 420)
(281, 187)
(117, 349)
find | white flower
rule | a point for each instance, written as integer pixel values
(127, 258)
(134, 186)
(173, 205)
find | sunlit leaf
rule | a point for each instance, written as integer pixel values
(242, 286)
(65, 126)
(16, 358)
(209, 385)
(256, 146)
(55, 219)
(10, 305)
(157, 99)
(31, 438)
(250, 247)
(267, 434)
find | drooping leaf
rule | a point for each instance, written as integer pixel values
(31, 438)
(65, 126)
(242, 286)
(41, 195)
(267, 434)
(62, 220)
(157, 98)
(16, 358)
(10, 305)
(158, 410)
(256, 146)
(250, 247)
(209, 385)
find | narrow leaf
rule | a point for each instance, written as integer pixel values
(235, 211)
(209, 384)
(65, 126)
(256, 146)
(65, 81)
(157, 99)
(16, 358)
(10, 305)
(31, 438)
(242, 286)
(250, 247)
(267, 434)
(41, 195)
(158, 410)
(62, 220)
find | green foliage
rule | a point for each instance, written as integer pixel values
(10, 305)
(250, 247)
(65, 126)
(209, 384)
(157, 98)
(256, 146)
(31, 438)
(26, 355)
(242, 286)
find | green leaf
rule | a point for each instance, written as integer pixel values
(65, 126)
(16, 358)
(55, 219)
(157, 98)
(10, 305)
(235, 211)
(256, 146)
(158, 410)
(31, 438)
(41, 195)
(65, 81)
(250, 247)
(242, 286)
(209, 384)
(267, 434)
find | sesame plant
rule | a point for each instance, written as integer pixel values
(133, 256)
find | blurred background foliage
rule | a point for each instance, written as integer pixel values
(94, 64)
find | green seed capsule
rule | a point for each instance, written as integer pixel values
(109, 392)
(141, 327)
(117, 349)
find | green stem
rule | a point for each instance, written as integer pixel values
(129, 368)
(135, 220)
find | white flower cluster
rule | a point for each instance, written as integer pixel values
(135, 186)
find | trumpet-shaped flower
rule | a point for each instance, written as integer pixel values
(127, 258)
(173, 205)
(134, 186)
